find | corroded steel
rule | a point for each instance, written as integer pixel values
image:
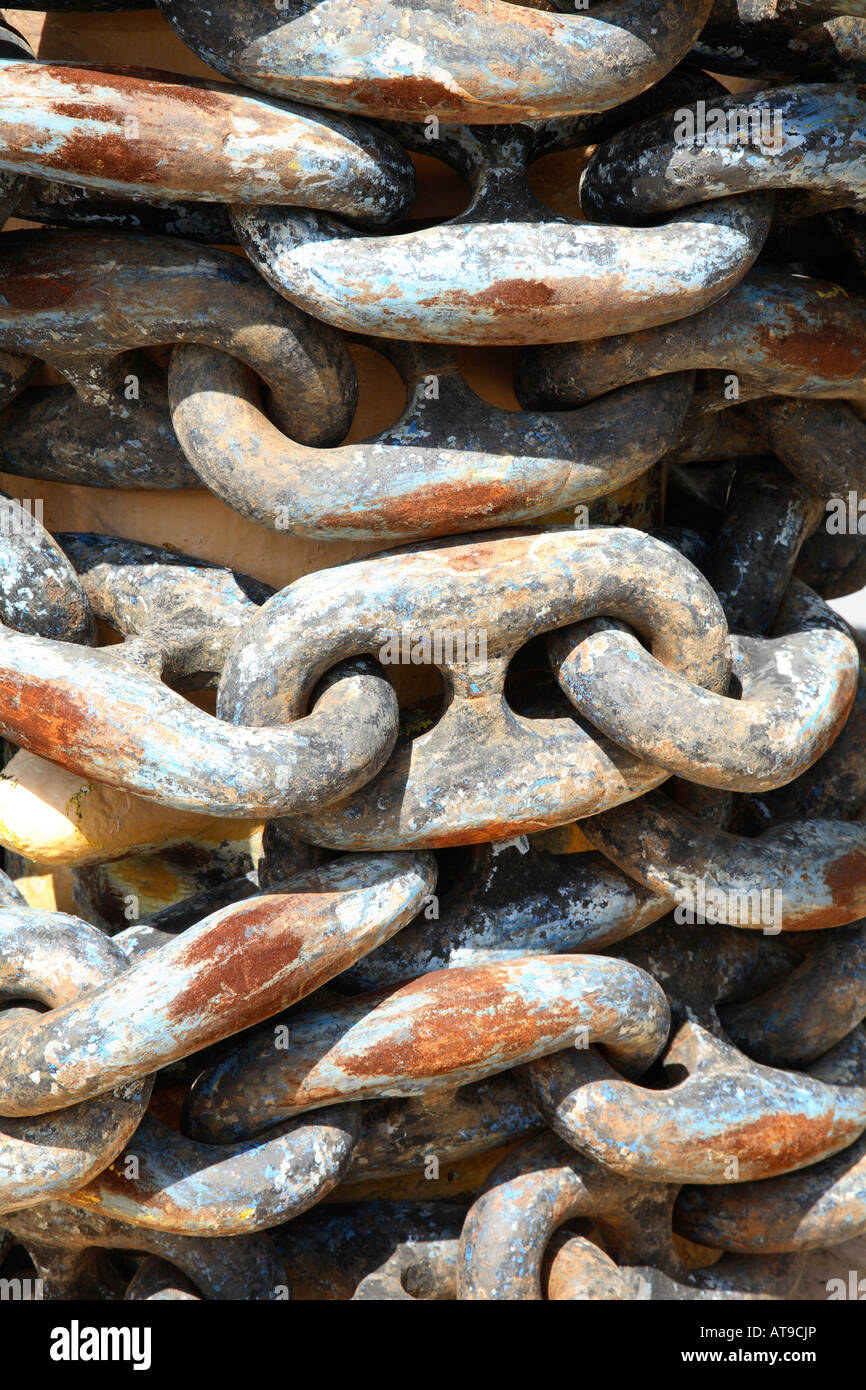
(507, 269)
(795, 693)
(819, 1206)
(451, 461)
(124, 440)
(782, 334)
(79, 301)
(53, 959)
(544, 1184)
(814, 871)
(422, 1036)
(40, 592)
(816, 1006)
(510, 774)
(807, 137)
(101, 714)
(69, 205)
(767, 518)
(193, 1189)
(725, 1108)
(111, 129)
(508, 900)
(480, 60)
(276, 948)
(241, 1267)
(179, 615)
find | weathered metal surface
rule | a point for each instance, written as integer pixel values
(813, 872)
(480, 60)
(96, 712)
(52, 432)
(70, 205)
(40, 592)
(451, 461)
(393, 1250)
(767, 518)
(512, 900)
(835, 786)
(535, 1190)
(700, 984)
(726, 1110)
(806, 137)
(817, 1207)
(781, 334)
(239, 1267)
(331, 1249)
(425, 1271)
(482, 772)
(542, 1185)
(795, 693)
(179, 615)
(400, 1135)
(192, 1189)
(237, 967)
(53, 959)
(125, 130)
(79, 300)
(422, 1036)
(822, 442)
(816, 1006)
(507, 269)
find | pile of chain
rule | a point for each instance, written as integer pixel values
(555, 969)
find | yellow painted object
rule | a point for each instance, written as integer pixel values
(57, 817)
(54, 892)
(563, 839)
(142, 884)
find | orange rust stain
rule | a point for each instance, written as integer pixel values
(445, 1031)
(826, 348)
(846, 878)
(242, 954)
(397, 96)
(512, 294)
(778, 1142)
(147, 82)
(51, 720)
(438, 507)
(112, 155)
(34, 291)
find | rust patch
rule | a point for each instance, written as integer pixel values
(511, 294)
(779, 1142)
(436, 509)
(22, 291)
(824, 348)
(229, 958)
(446, 1032)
